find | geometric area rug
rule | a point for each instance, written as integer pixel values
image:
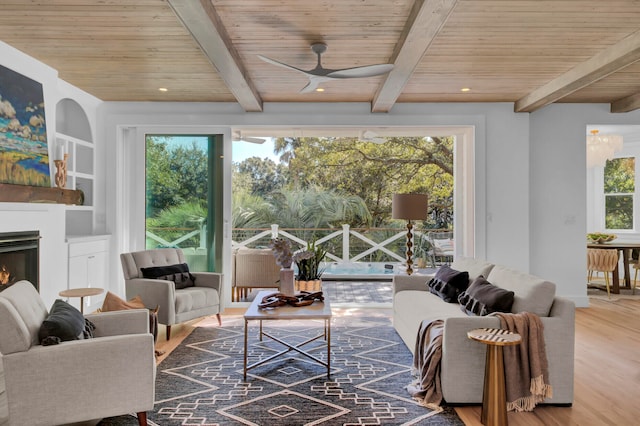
(201, 382)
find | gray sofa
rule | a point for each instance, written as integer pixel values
(463, 360)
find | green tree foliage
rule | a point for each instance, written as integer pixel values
(174, 175)
(173, 222)
(374, 172)
(265, 176)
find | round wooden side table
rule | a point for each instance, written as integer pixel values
(81, 293)
(494, 396)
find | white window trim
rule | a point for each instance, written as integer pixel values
(597, 205)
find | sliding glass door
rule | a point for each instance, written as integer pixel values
(183, 196)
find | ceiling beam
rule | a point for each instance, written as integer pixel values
(630, 103)
(608, 61)
(424, 23)
(201, 20)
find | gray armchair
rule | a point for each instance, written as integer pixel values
(177, 305)
(79, 380)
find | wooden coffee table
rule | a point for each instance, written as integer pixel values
(316, 311)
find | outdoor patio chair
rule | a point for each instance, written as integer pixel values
(253, 268)
(441, 247)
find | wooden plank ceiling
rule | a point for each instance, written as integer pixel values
(528, 52)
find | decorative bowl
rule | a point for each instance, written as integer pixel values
(600, 238)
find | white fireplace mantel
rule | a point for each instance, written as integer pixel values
(49, 220)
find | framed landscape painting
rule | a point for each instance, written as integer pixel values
(24, 156)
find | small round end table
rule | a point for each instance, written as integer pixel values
(81, 293)
(494, 395)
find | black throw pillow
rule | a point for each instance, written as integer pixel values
(449, 283)
(483, 298)
(64, 323)
(179, 274)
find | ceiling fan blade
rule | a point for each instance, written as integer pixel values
(358, 72)
(280, 64)
(371, 136)
(237, 137)
(310, 87)
(314, 81)
(254, 140)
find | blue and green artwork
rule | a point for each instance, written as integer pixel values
(24, 155)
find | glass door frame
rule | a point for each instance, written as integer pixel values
(131, 208)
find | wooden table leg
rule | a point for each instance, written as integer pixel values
(626, 254)
(494, 405)
(246, 332)
(328, 338)
(615, 283)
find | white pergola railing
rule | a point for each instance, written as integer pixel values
(338, 252)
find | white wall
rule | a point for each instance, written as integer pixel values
(558, 192)
(49, 219)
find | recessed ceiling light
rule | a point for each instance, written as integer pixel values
(465, 89)
(319, 89)
(163, 89)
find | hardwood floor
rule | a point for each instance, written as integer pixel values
(607, 371)
(607, 367)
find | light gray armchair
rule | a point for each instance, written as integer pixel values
(79, 380)
(177, 305)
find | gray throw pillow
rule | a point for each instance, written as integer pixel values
(483, 298)
(63, 323)
(448, 283)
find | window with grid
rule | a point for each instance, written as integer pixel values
(619, 193)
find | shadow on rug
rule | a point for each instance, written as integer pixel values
(201, 381)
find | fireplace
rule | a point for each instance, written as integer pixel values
(19, 257)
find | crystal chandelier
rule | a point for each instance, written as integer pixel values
(601, 148)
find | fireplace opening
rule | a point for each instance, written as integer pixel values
(19, 257)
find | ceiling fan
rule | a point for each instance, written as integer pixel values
(237, 137)
(320, 74)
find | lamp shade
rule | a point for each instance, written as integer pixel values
(409, 206)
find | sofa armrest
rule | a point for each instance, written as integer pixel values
(65, 379)
(462, 357)
(410, 282)
(130, 321)
(209, 279)
(155, 293)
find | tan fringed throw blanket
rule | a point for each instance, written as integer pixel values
(426, 365)
(525, 365)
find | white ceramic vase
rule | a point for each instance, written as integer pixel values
(287, 286)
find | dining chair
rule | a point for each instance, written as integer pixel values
(603, 260)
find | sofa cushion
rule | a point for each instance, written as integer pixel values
(475, 267)
(532, 293)
(483, 298)
(178, 273)
(448, 283)
(63, 323)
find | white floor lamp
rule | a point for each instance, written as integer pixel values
(409, 207)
